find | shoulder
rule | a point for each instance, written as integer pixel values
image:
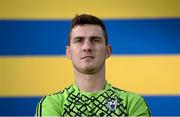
(52, 104)
(125, 94)
(134, 103)
(57, 96)
(130, 98)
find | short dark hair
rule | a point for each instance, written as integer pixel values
(88, 19)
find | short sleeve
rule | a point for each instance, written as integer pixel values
(47, 107)
(137, 106)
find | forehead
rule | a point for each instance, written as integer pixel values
(87, 30)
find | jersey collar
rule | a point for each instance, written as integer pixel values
(95, 93)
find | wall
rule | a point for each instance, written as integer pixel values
(145, 57)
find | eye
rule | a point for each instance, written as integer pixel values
(78, 40)
(96, 39)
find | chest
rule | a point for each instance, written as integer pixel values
(101, 105)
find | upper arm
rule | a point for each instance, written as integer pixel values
(47, 107)
(138, 107)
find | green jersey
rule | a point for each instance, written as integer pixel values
(110, 101)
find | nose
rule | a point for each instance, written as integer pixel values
(87, 46)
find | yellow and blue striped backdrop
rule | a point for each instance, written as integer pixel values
(144, 34)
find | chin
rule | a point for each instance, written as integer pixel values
(89, 70)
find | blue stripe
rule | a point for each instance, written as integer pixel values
(164, 105)
(127, 36)
(16, 106)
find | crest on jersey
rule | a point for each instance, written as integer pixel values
(112, 104)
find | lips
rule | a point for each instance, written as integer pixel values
(84, 57)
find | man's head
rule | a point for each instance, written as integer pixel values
(87, 19)
(88, 46)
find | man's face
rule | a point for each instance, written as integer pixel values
(87, 49)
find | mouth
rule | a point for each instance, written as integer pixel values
(87, 57)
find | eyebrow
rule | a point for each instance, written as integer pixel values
(96, 37)
(92, 37)
(78, 37)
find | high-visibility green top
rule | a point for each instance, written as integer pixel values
(110, 101)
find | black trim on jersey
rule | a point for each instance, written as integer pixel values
(78, 104)
(118, 89)
(140, 96)
(40, 104)
(60, 92)
(147, 107)
(37, 108)
(69, 87)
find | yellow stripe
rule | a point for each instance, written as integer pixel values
(65, 9)
(1, 76)
(35, 75)
(146, 74)
(31, 76)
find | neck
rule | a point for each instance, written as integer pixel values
(90, 82)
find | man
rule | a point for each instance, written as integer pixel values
(90, 95)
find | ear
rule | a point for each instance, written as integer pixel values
(68, 52)
(108, 51)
